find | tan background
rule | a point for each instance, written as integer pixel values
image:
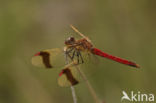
(126, 28)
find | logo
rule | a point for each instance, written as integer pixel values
(138, 96)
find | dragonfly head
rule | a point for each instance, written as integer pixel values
(70, 41)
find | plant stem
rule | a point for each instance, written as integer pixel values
(81, 72)
(88, 85)
(71, 87)
(77, 31)
(73, 94)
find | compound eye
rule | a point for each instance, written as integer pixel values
(72, 39)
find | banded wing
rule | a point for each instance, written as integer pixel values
(69, 76)
(48, 58)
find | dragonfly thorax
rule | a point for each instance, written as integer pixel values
(84, 45)
(80, 45)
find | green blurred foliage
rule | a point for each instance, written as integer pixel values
(124, 28)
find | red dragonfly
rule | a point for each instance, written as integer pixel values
(72, 50)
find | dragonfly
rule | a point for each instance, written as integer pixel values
(73, 50)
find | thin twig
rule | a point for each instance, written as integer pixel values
(96, 99)
(71, 87)
(92, 91)
(73, 94)
(76, 30)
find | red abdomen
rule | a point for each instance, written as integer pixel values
(114, 58)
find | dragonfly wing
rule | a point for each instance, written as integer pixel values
(47, 58)
(69, 77)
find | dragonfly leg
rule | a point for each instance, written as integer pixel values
(79, 57)
(82, 61)
(69, 50)
(77, 54)
(67, 54)
(73, 54)
(66, 58)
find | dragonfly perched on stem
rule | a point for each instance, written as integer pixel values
(74, 48)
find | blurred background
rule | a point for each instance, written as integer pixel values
(125, 28)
